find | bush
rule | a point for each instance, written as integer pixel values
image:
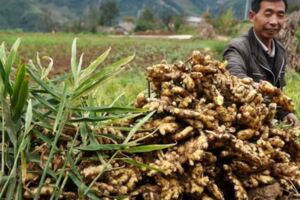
(225, 22)
(146, 21)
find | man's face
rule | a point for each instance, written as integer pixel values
(268, 21)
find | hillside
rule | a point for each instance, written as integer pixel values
(37, 15)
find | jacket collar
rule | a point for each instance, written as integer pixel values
(265, 48)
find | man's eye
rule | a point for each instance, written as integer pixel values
(281, 15)
(268, 14)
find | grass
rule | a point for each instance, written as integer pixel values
(123, 88)
(292, 89)
(147, 50)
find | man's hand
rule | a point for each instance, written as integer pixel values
(291, 119)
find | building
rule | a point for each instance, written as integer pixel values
(125, 28)
(192, 20)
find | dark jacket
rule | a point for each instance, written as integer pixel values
(246, 58)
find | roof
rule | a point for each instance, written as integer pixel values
(193, 19)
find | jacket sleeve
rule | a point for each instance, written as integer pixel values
(236, 63)
(281, 113)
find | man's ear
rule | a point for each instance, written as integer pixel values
(251, 15)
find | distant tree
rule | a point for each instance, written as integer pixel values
(167, 19)
(171, 20)
(92, 18)
(225, 22)
(128, 19)
(178, 22)
(146, 20)
(108, 12)
(75, 26)
(207, 17)
(97, 15)
(30, 21)
(47, 21)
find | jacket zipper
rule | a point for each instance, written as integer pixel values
(283, 61)
(270, 72)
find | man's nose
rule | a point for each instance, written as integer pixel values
(274, 20)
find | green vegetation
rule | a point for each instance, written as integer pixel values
(122, 88)
(148, 51)
(62, 106)
(146, 20)
(292, 89)
(103, 14)
(225, 22)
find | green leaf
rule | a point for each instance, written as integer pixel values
(148, 148)
(11, 189)
(5, 79)
(38, 61)
(117, 120)
(18, 82)
(110, 136)
(109, 109)
(137, 126)
(48, 69)
(43, 121)
(3, 179)
(2, 53)
(22, 98)
(79, 66)
(43, 137)
(140, 164)
(100, 76)
(82, 186)
(116, 99)
(28, 117)
(73, 166)
(97, 119)
(12, 56)
(23, 167)
(104, 147)
(44, 102)
(43, 84)
(73, 59)
(93, 66)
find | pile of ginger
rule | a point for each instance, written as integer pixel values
(228, 141)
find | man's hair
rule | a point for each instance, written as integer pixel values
(255, 5)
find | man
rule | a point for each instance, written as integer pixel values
(258, 54)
